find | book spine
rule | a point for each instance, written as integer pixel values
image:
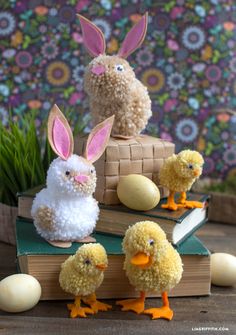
(117, 223)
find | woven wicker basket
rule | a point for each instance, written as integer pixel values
(140, 155)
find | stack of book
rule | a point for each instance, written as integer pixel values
(38, 258)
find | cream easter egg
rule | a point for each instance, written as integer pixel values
(138, 192)
(19, 292)
(223, 269)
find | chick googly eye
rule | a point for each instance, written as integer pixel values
(87, 262)
(119, 67)
(190, 166)
(151, 242)
(67, 173)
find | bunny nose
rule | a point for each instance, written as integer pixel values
(98, 69)
(81, 178)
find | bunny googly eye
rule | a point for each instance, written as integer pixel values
(119, 67)
(92, 170)
(67, 173)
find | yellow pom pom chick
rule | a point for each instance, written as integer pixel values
(81, 274)
(178, 174)
(152, 265)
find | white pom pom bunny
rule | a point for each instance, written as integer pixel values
(65, 210)
(110, 81)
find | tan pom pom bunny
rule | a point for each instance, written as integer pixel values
(111, 84)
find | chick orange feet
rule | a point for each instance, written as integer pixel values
(163, 312)
(96, 305)
(170, 203)
(76, 310)
(100, 306)
(193, 204)
(189, 204)
(79, 311)
(135, 305)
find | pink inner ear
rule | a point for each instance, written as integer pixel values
(61, 139)
(92, 37)
(96, 145)
(134, 38)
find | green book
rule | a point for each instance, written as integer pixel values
(41, 260)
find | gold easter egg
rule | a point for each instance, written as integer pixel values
(138, 192)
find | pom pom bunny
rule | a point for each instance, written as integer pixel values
(65, 210)
(110, 81)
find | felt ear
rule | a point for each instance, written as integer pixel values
(59, 134)
(98, 139)
(93, 37)
(134, 38)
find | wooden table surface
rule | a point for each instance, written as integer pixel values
(215, 314)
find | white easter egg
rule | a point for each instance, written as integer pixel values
(138, 192)
(223, 269)
(19, 292)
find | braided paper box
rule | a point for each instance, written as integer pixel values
(141, 155)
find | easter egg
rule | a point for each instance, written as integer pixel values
(223, 269)
(138, 192)
(19, 292)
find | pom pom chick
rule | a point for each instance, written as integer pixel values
(81, 274)
(151, 265)
(178, 174)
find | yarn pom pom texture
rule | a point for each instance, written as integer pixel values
(65, 211)
(187, 62)
(110, 81)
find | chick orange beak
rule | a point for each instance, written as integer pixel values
(196, 173)
(140, 259)
(101, 267)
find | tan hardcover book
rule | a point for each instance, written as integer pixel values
(39, 259)
(178, 225)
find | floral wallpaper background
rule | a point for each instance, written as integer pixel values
(187, 61)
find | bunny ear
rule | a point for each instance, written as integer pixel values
(93, 37)
(59, 134)
(134, 38)
(98, 139)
